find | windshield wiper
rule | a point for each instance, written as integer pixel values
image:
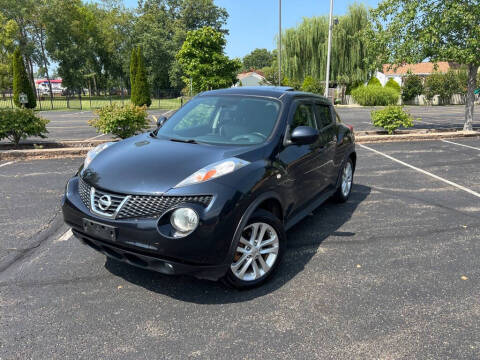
(188, 141)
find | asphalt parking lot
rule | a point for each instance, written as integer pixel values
(73, 125)
(391, 274)
(426, 117)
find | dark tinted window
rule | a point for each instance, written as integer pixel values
(324, 117)
(303, 116)
(239, 120)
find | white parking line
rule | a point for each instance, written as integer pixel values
(7, 163)
(467, 146)
(423, 171)
(65, 236)
(95, 137)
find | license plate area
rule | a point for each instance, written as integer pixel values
(99, 230)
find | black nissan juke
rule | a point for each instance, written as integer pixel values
(213, 189)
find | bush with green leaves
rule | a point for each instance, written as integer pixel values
(375, 96)
(18, 124)
(391, 118)
(312, 85)
(392, 84)
(443, 85)
(412, 87)
(121, 121)
(374, 82)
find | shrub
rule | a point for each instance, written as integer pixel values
(392, 84)
(391, 118)
(310, 84)
(375, 96)
(21, 82)
(412, 86)
(443, 85)
(121, 121)
(17, 124)
(374, 82)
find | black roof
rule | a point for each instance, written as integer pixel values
(270, 91)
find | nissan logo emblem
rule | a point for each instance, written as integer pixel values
(104, 202)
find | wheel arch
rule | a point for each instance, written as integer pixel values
(268, 200)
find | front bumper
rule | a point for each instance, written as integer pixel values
(205, 253)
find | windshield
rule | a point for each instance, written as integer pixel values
(236, 120)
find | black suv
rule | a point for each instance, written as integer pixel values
(213, 189)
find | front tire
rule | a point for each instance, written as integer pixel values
(258, 252)
(346, 182)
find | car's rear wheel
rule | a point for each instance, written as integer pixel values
(258, 252)
(346, 182)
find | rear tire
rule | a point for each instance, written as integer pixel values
(346, 182)
(258, 251)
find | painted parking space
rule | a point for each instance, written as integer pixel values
(392, 273)
(448, 160)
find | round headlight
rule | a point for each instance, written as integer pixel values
(184, 220)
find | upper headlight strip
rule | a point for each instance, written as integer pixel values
(213, 171)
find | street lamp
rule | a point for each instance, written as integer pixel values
(330, 25)
(279, 42)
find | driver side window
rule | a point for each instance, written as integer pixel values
(303, 117)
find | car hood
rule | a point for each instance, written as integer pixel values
(147, 165)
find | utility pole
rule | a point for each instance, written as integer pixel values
(279, 42)
(330, 26)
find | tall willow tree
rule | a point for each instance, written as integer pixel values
(305, 48)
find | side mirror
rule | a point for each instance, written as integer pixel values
(304, 135)
(160, 121)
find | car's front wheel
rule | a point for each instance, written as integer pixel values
(258, 252)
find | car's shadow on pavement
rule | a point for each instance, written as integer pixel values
(304, 239)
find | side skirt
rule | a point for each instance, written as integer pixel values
(309, 208)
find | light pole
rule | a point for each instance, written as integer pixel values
(279, 42)
(330, 26)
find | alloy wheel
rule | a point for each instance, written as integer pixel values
(256, 253)
(347, 176)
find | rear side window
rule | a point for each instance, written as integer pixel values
(323, 115)
(303, 116)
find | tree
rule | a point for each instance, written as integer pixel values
(161, 28)
(202, 60)
(257, 59)
(21, 82)
(8, 36)
(412, 87)
(312, 85)
(444, 30)
(305, 48)
(443, 85)
(142, 88)
(133, 73)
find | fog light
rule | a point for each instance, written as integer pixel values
(184, 220)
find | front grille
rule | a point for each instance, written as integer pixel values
(116, 201)
(145, 206)
(84, 191)
(136, 205)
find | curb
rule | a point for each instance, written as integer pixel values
(80, 148)
(44, 153)
(365, 139)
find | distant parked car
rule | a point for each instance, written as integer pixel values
(213, 189)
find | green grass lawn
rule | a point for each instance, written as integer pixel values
(61, 103)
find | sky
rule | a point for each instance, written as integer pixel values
(254, 23)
